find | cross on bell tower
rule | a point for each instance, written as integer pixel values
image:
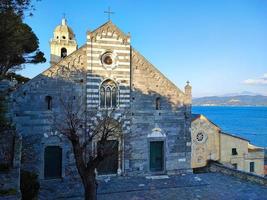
(109, 13)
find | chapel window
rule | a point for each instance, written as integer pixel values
(157, 103)
(108, 94)
(63, 37)
(234, 151)
(48, 100)
(252, 167)
(63, 52)
(52, 162)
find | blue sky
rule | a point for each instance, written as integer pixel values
(220, 46)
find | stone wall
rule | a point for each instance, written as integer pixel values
(79, 75)
(171, 120)
(215, 167)
(62, 82)
(205, 141)
(10, 154)
(10, 179)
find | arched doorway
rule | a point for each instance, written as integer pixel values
(156, 142)
(111, 148)
(111, 163)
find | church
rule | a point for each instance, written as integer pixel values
(106, 72)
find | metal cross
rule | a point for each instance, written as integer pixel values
(64, 15)
(109, 12)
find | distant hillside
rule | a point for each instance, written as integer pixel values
(239, 100)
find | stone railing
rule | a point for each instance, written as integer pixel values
(216, 167)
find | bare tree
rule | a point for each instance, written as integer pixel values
(72, 122)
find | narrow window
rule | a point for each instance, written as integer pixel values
(108, 97)
(235, 165)
(252, 167)
(234, 151)
(52, 162)
(102, 97)
(63, 52)
(114, 97)
(48, 100)
(157, 103)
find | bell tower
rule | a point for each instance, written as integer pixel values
(63, 43)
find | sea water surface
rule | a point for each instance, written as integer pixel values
(247, 122)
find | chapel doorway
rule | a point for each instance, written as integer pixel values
(110, 164)
(52, 162)
(156, 156)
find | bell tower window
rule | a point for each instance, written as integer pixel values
(63, 52)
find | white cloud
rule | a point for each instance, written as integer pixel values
(258, 81)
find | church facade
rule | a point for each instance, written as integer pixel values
(105, 73)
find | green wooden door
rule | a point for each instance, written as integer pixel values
(156, 156)
(52, 162)
(110, 163)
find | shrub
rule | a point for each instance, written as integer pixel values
(29, 185)
(4, 167)
(8, 192)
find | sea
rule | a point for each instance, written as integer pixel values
(247, 122)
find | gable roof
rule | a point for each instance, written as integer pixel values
(51, 69)
(109, 26)
(253, 148)
(200, 116)
(235, 136)
(143, 61)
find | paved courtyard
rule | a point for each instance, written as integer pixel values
(210, 186)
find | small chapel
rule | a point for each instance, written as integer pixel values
(106, 72)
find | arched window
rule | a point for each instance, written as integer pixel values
(48, 100)
(108, 94)
(52, 162)
(63, 52)
(157, 103)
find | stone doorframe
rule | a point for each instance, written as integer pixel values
(157, 135)
(120, 155)
(53, 139)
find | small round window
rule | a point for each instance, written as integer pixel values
(200, 137)
(108, 60)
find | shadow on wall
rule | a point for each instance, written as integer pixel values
(35, 103)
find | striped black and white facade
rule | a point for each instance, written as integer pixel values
(139, 84)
